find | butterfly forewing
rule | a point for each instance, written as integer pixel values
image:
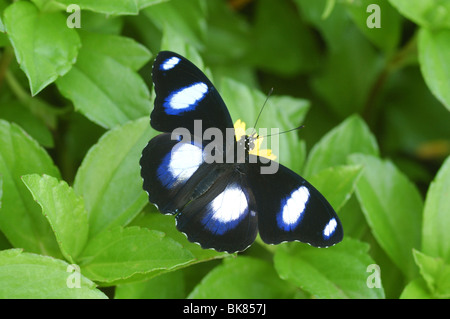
(184, 94)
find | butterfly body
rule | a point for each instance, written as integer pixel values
(216, 188)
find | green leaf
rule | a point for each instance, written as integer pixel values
(351, 136)
(107, 7)
(435, 62)
(3, 5)
(184, 18)
(125, 51)
(393, 207)
(117, 254)
(318, 272)
(286, 54)
(103, 84)
(416, 289)
(337, 183)
(228, 37)
(34, 36)
(146, 3)
(242, 277)
(21, 219)
(335, 22)
(155, 221)
(166, 224)
(101, 23)
(328, 9)
(342, 69)
(64, 210)
(1, 190)
(430, 13)
(388, 35)
(109, 180)
(112, 7)
(48, 6)
(436, 274)
(14, 111)
(404, 132)
(26, 275)
(351, 61)
(166, 286)
(436, 217)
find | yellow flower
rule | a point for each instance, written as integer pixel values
(239, 130)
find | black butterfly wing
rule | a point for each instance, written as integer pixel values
(212, 201)
(291, 209)
(166, 167)
(222, 205)
(184, 94)
(224, 217)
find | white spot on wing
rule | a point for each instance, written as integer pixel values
(330, 228)
(170, 63)
(185, 160)
(295, 206)
(187, 97)
(229, 205)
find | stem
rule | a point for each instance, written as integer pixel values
(329, 6)
(238, 4)
(5, 60)
(397, 61)
(270, 248)
(38, 107)
(17, 89)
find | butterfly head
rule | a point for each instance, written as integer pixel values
(248, 142)
(252, 143)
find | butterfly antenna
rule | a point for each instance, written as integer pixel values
(260, 111)
(293, 129)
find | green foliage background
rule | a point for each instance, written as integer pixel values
(74, 118)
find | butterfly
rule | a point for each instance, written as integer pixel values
(222, 204)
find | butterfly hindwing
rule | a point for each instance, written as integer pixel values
(185, 94)
(291, 209)
(224, 217)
